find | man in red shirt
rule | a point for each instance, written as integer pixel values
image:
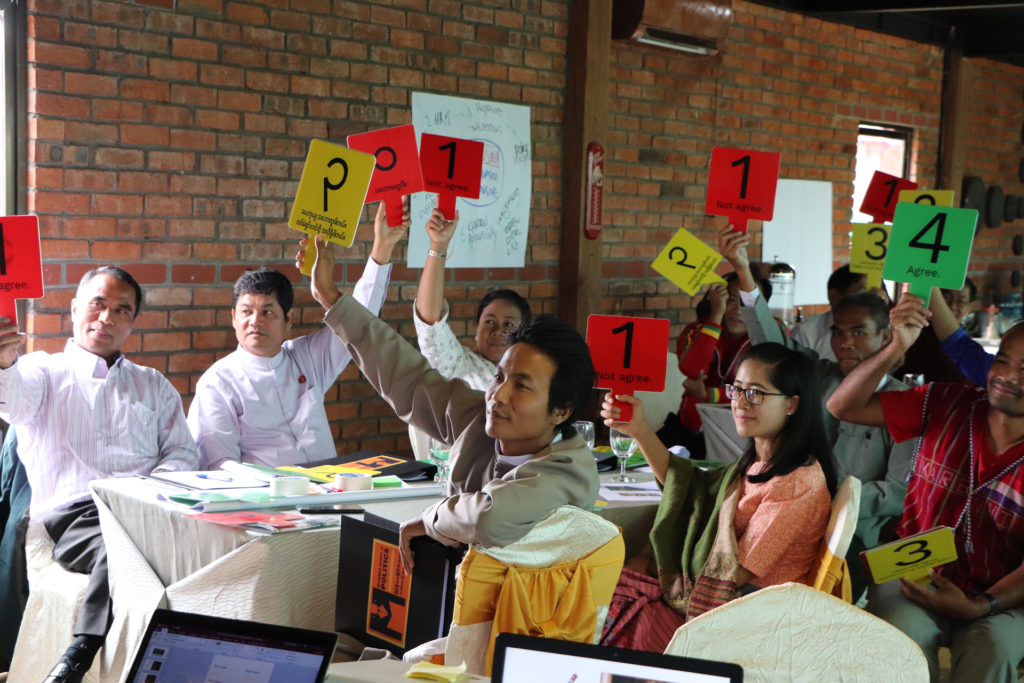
(968, 475)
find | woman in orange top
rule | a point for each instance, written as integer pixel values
(709, 350)
(757, 522)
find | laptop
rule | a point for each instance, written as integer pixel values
(179, 647)
(522, 658)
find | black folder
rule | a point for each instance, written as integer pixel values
(385, 463)
(377, 603)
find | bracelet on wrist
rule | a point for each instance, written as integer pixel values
(437, 254)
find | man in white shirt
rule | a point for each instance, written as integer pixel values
(89, 413)
(815, 332)
(264, 403)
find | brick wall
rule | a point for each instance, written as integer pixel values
(169, 139)
(994, 153)
(171, 143)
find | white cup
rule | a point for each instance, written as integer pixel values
(353, 482)
(289, 486)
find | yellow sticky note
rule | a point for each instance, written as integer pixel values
(933, 197)
(437, 672)
(911, 557)
(687, 262)
(868, 248)
(331, 195)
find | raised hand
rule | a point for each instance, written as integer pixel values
(732, 245)
(718, 296)
(440, 231)
(322, 284)
(385, 238)
(10, 339)
(907, 320)
(694, 386)
(611, 414)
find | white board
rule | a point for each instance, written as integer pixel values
(492, 230)
(800, 234)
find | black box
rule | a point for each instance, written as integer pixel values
(377, 603)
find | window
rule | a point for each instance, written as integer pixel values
(7, 142)
(879, 148)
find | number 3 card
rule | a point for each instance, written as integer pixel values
(452, 167)
(331, 194)
(930, 246)
(687, 262)
(867, 251)
(741, 185)
(629, 355)
(911, 557)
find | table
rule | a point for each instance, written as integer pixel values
(159, 558)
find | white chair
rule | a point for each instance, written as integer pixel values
(658, 404)
(796, 634)
(830, 573)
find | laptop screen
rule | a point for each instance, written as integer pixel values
(179, 653)
(598, 665)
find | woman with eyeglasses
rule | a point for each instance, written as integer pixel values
(723, 530)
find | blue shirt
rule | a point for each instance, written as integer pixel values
(969, 356)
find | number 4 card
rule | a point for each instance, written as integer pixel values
(629, 355)
(930, 246)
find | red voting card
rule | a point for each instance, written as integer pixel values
(629, 354)
(397, 172)
(741, 185)
(882, 196)
(21, 263)
(452, 167)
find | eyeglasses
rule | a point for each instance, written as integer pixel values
(755, 397)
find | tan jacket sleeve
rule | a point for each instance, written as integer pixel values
(507, 509)
(420, 395)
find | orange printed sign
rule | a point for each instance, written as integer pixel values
(388, 611)
(376, 463)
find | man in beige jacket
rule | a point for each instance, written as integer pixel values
(515, 456)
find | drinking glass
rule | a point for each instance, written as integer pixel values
(913, 380)
(586, 430)
(439, 453)
(623, 445)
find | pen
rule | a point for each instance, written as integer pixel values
(213, 478)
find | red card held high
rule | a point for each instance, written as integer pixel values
(21, 264)
(629, 355)
(397, 172)
(882, 196)
(452, 167)
(741, 185)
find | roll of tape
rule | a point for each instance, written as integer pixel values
(289, 486)
(353, 482)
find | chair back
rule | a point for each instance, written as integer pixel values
(555, 582)
(658, 404)
(829, 573)
(795, 634)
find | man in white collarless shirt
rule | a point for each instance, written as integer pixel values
(264, 403)
(89, 413)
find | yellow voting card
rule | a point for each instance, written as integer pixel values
(331, 194)
(868, 247)
(687, 262)
(911, 557)
(933, 197)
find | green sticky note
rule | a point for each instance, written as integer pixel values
(386, 482)
(930, 246)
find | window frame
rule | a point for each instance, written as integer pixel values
(886, 130)
(15, 89)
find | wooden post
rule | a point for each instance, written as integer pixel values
(586, 114)
(952, 136)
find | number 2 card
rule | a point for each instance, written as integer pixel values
(687, 262)
(930, 246)
(629, 355)
(741, 185)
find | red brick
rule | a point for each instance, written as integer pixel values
(220, 75)
(142, 89)
(59, 55)
(175, 116)
(116, 110)
(89, 227)
(188, 48)
(142, 182)
(79, 131)
(187, 274)
(134, 134)
(172, 69)
(126, 158)
(90, 84)
(78, 179)
(191, 228)
(147, 273)
(206, 118)
(168, 206)
(172, 161)
(246, 14)
(116, 204)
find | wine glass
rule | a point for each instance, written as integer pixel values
(623, 445)
(439, 453)
(586, 430)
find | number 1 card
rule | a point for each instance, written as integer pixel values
(629, 355)
(21, 263)
(930, 246)
(741, 185)
(882, 196)
(452, 167)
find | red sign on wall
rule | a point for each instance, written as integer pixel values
(741, 185)
(629, 355)
(595, 190)
(21, 264)
(397, 171)
(452, 167)
(882, 196)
